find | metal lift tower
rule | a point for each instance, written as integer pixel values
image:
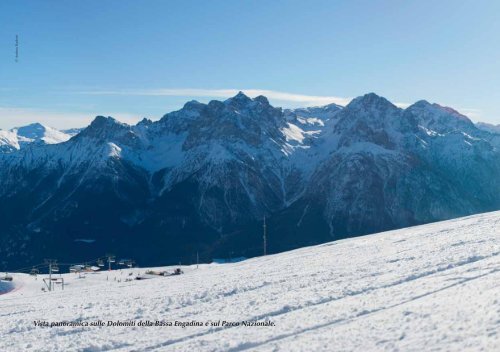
(264, 237)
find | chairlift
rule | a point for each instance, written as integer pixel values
(55, 269)
(122, 262)
(34, 272)
(100, 262)
(111, 259)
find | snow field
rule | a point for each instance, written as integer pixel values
(430, 287)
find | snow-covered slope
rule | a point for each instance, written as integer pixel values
(19, 137)
(431, 287)
(8, 141)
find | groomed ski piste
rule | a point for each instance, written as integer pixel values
(426, 288)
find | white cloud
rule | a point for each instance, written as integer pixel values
(305, 100)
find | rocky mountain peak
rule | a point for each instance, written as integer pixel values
(439, 118)
(104, 128)
(145, 122)
(261, 99)
(193, 105)
(102, 121)
(366, 114)
(240, 99)
(371, 101)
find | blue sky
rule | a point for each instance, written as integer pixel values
(134, 59)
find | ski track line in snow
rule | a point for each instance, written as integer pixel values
(18, 312)
(247, 346)
(411, 278)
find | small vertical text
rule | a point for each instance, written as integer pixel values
(17, 48)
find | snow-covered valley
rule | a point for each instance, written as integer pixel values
(430, 287)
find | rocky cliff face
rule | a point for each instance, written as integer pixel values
(202, 178)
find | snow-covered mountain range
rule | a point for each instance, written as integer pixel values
(202, 179)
